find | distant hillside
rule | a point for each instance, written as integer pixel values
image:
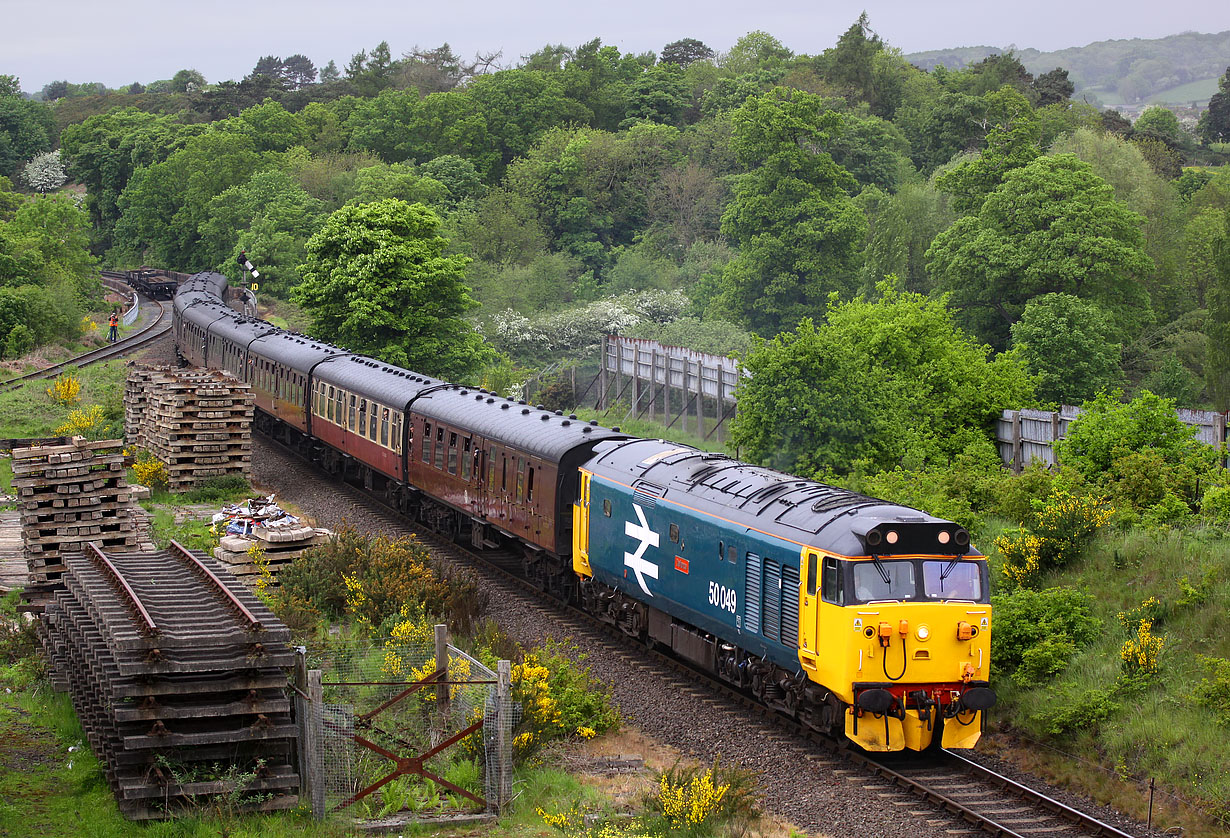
(1174, 69)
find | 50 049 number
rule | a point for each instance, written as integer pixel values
(722, 597)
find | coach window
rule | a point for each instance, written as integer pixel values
(491, 468)
(520, 479)
(329, 406)
(452, 453)
(371, 423)
(362, 417)
(439, 448)
(397, 433)
(674, 533)
(465, 460)
(353, 404)
(339, 412)
(427, 442)
(529, 486)
(830, 581)
(504, 474)
(384, 427)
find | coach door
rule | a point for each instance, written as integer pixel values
(809, 608)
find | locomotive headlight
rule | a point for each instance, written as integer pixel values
(922, 633)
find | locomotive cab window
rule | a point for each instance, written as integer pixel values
(952, 579)
(832, 589)
(884, 580)
(812, 561)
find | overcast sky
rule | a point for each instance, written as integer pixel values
(121, 41)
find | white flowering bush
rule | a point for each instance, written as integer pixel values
(45, 172)
(580, 329)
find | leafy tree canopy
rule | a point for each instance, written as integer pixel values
(883, 383)
(792, 217)
(1051, 226)
(1069, 344)
(684, 52)
(376, 280)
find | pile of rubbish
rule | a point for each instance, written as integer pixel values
(262, 519)
(260, 523)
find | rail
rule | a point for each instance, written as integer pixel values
(219, 586)
(146, 624)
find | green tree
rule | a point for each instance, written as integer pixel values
(1069, 344)
(1009, 146)
(1214, 126)
(273, 127)
(51, 242)
(1051, 226)
(873, 388)
(756, 50)
(1217, 365)
(797, 229)
(850, 66)
(1159, 123)
(377, 280)
(26, 129)
(900, 229)
(684, 52)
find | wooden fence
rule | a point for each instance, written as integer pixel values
(1024, 436)
(675, 386)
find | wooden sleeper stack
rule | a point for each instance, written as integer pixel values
(69, 495)
(197, 422)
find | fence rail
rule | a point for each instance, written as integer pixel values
(669, 384)
(1026, 436)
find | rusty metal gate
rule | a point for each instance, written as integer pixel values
(377, 728)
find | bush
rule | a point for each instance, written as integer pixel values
(1044, 661)
(1062, 528)
(695, 801)
(65, 389)
(150, 471)
(559, 698)
(1213, 691)
(1025, 619)
(1070, 713)
(19, 342)
(371, 578)
(1141, 653)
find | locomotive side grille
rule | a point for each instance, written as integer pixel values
(772, 627)
(751, 594)
(790, 605)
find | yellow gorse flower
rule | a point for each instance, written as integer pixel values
(1141, 653)
(66, 389)
(688, 805)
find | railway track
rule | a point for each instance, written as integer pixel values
(151, 331)
(974, 799)
(177, 673)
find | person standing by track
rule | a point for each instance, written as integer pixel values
(113, 333)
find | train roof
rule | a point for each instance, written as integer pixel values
(206, 282)
(240, 328)
(374, 379)
(746, 495)
(299, 352)
(534, 430)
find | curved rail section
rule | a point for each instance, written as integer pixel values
(156, 328)
(178, 677)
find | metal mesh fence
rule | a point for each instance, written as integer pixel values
(373, 715)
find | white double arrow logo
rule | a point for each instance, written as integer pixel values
(648, 538)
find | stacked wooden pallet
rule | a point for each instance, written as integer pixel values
(68, 495)
(197, 422)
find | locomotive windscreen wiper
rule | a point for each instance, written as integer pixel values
(882, 569)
